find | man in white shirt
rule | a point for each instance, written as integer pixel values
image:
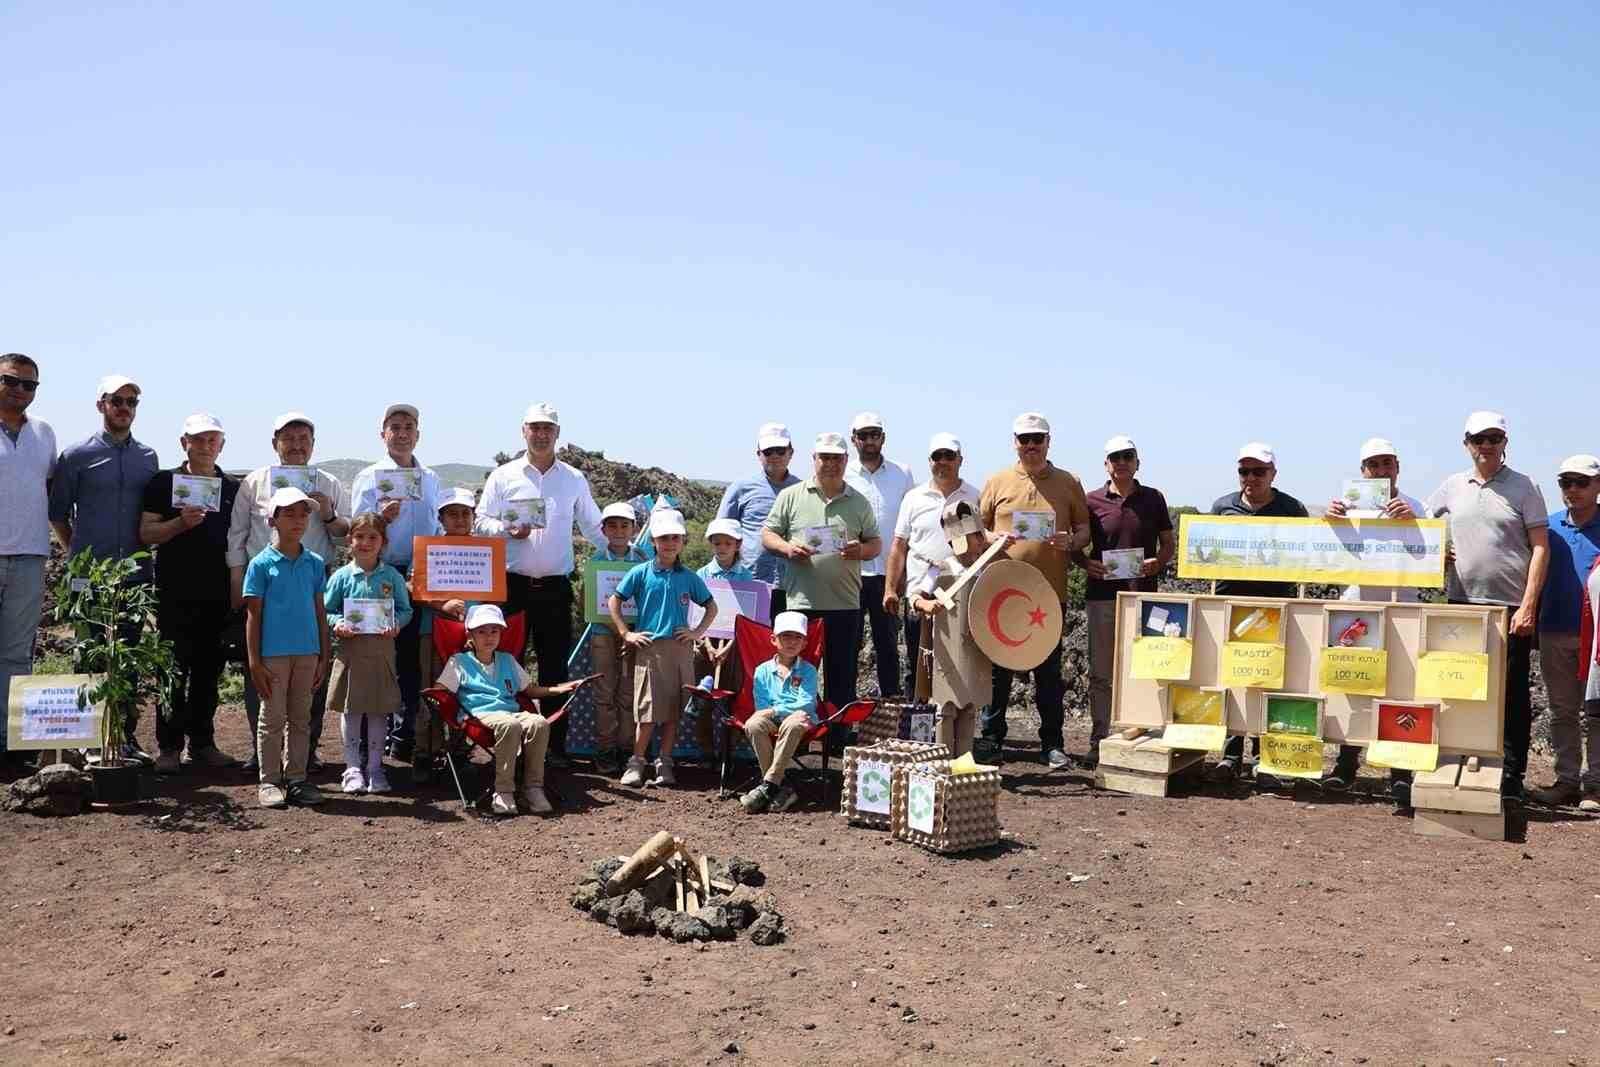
(533, 502)
(919, 540)
(885, 484)
(385, 493)
(27, 462)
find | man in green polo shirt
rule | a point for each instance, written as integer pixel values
(824, 529)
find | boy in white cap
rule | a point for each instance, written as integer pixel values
(487, 681)
(726, 538)
(785, 694)
(1500, 551)
(885, 484)
(1573, 550)
(748, 502)
(286, 639)
(663, 642)
(614, 728)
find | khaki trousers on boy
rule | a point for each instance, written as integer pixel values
(517, 733)
(774, 760)
(956, 727)
(613, 697)
(289, 707)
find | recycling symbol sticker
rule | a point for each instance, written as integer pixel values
(919, 804)
(872, 787)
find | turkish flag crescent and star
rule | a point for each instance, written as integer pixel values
(1014, 616)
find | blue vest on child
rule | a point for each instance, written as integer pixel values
(485, 689)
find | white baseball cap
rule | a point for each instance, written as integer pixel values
(1258, 450)
(200, 422)
(400, 409)
(942, 441)
(1583, 464)
(289, 417)
(485, 615)
(728, 527)
(773, 435)
(790, 622)
(1479, 421)
(1030, 422)
(666, 522)
(1121, 443)
(541, 413)
(457, 495)
(867, 420)
(287, 497)
(1378, 446)
(112, 382)
(620, 510)
(830, 444)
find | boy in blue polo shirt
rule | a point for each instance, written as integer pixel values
(663, 644)
(719, 660)
(786, 699)
(286, 635)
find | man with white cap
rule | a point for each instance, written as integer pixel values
(190, 541)
(748, 502)
(377, 488)
(294, 438)
(539, 558)
(1573, 551)
(27, 463)
(1379, 459)
(1124, 514)
(919, 540)
(1035, 489)
(1499, 538)
(884, 483)
(824, 529)
(98, 492)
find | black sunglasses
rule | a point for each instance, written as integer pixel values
(1487, 438)
(771, 452)
(129, 402)
(1574, 481)
(11, 381)
(943, 455)
(1254, 472)
(1031, 438)
(869, 435)
(1127, 454)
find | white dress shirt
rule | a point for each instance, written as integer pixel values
(884, 489)
(26, 467)
(548, 552)
(417, 518)
(248, 532)
(920, 523)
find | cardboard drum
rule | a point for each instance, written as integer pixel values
(1013, 615)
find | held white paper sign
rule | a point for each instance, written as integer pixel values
(607, 582)
(524, 512)
(1366, 497)
(753, 600)
(44, 712)
(1033, 525)
(196, 491)
(1156, 621)
(1122, 564)
(919, 802)
(823, 540)
(301, 478)
(369, 616)
(872, 786)
(398, 483)
(460, 568)
(921, 726)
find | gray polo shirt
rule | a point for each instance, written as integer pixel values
(1489, 524)
(99, 488)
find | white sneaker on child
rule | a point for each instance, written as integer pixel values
(503, 804)
(664, 772)
(353, 781)
(634, 775)
(378, 782)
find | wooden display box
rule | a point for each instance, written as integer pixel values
(1339, 622)
(1178, 612)
(1459, 799)
(1255, 623)
(1444, 630)
(945, 812)
(868, 789)
(1142, 765)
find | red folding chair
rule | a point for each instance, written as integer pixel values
(754, 642)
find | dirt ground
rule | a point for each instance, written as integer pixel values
(1205, 929)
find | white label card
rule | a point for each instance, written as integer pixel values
(919, 803)
(872, 787)
(1122, 564)
(196, 491)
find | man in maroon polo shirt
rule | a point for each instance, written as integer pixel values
(1123, 515)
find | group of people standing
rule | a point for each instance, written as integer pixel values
(109, 495)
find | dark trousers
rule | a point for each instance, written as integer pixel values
(913, 628)
(1519, 709)
(408, 670)
(885, 636)
(1051, 692)
(779, 602)
(547, 606)
(196, 632)
(841, 653)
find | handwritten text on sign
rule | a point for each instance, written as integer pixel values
(1291, 756)
(1162, 657)
(1194, 736)
(1453, 675)
(1404, 755)
(1251, 665)
(1354, 670)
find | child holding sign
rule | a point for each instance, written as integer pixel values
(613, 698)
(714, 659)
(367, 606)
(455, 519)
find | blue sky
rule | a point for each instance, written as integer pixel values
(1197, 224)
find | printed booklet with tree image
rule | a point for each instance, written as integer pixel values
(301, 478)
(398, 483)
(1122, 564)
(196, 491)
(523, 511)
(369, 616)
(1033, 525)
(823, 540)
(1366, 498)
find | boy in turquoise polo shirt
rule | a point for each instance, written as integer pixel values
(286, 637)
(663, 643)
(456, 516)
(786, 699)
(719, 660)
(613, 698)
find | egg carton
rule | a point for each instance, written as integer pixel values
(868, 777)
(900, 720)
(944, 812)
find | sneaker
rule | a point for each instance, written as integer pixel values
(401, 749)
(134, 754)
(784, 800)
(534, 802)
(379, 783)
(271, 796)
(664, 772)
(988, 750)
(1055, 759)
(169, 762)
(304, 794)
(1400, 793)
(211, 756)
(353, 781)
(1590, 801)
(1269, 782)
(1340, 779)
(253, 764)
(757, 800)
(1225, 771)
(503, 804)
(634, 775)
(1556, 794)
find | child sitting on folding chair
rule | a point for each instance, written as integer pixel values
(785, 693)
(455, 518)
(486, 682)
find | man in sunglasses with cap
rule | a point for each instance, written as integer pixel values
(749, 501)
(1499, 538)
(885, 484)
(27, 462)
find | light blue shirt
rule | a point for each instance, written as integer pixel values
(633, 555)
(785, 696)
(481, 689)
(737, 573)
(351, 582)
(99, 488)
(289, 591)
(749, 501)
(663, 597)
(417, 518)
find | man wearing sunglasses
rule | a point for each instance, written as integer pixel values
(27, 462)
(885, 484)
(1573, 550)
(1499, 535)
(749, 501)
